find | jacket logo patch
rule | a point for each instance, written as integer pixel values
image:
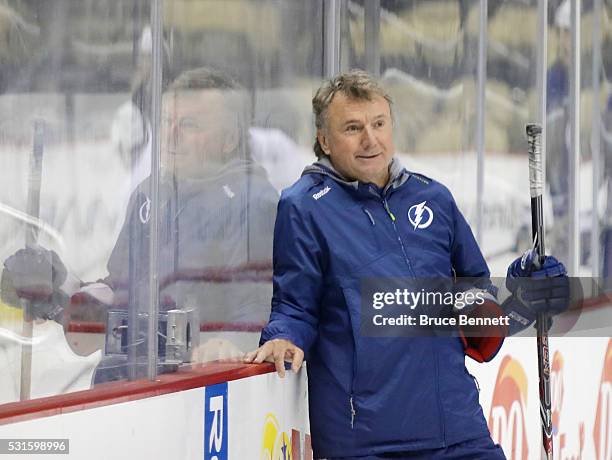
(420, 215)
(321, 193)
(144, 213)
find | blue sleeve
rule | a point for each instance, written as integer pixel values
(469, 262)
(466, 258)
(297, 280)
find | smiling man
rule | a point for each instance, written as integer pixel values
(357, 214)
(357, 136)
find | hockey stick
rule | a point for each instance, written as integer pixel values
(31, 237)
(534, 136)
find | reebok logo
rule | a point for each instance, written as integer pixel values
(321, 193)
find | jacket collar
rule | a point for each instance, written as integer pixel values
(398, 175)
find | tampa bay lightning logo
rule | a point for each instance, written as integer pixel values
(420, 215)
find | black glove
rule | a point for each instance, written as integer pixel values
(35, 274)
(536, 289)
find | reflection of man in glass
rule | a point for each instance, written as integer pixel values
(216, 216)
(216, 209)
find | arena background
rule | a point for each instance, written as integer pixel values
(465, 76)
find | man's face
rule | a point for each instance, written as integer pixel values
(358, 137)
(197, 134)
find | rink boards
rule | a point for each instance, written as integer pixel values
(264, 417)
(252, 418)
(581, 378)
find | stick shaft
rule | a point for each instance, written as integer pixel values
(537, 227)
(31, 238)
(534, 133)
(34, 181)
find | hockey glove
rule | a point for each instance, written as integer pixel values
(535, 289)
(35, 274)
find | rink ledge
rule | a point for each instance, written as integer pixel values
(186, 378)
(105, 394)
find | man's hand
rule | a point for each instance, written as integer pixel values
(536, 288)
(277, 351)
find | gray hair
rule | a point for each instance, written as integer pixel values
(354, 84)
(236, 98)
(203, 78)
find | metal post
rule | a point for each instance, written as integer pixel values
(574, 163)
(372, 36)
(156, 85)
(480, 120)
(596, 141)
(541, 76)
(331, 37)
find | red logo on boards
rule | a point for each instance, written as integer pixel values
(602, 430)
(507, 419)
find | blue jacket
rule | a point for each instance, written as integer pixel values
(370, 395)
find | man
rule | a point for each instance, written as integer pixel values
(217, 210)
(217, 207)
(348, 218)
(216, 217)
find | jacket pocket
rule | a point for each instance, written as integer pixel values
(352, 302)
(393, 381)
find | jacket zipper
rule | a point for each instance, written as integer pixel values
(440, 410)
(352, 410)
(386, 206)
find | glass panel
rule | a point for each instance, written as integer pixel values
(586, 126)
(592, 172)
(511, 103)
(558, 141)
(72, 129)
(601, 62)
(236, 128)
(429, 57)
(77, 87)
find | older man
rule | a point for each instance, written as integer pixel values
(217, 206)
(353, 215)
(216, 215)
